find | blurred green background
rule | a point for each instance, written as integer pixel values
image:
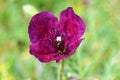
(97, 58)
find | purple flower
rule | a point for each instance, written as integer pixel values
(52, 39)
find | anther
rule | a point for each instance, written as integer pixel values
(58, 39)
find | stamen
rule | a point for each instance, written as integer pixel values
(58, 38)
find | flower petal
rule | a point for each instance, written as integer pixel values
(42, 26)
(43, 29)
(71, 25)
(43, 50)
(73, 46)
(72, 28)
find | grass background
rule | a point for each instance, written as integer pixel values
(97, 58)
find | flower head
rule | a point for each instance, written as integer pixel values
(52, 39)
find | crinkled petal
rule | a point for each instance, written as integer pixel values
(42, 32)
(43, 50)
(43, 25)
(71, 25)
(73, 46)
(72, 28)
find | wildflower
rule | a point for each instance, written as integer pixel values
(52, 39)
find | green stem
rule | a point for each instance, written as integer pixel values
(60, 74)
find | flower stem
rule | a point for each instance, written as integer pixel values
(60, 74)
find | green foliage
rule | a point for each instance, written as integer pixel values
(97, 58)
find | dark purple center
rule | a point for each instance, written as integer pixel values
(61, 48)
